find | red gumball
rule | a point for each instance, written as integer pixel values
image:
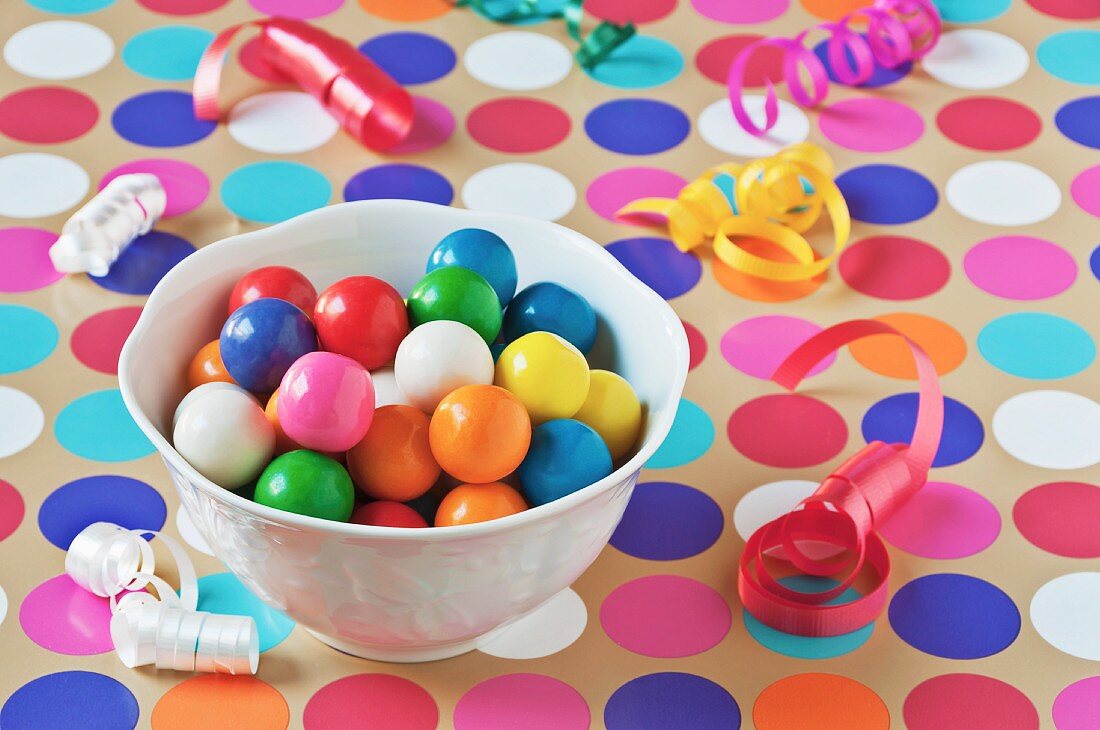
(363, 318)
(387, 514)
(274, 282)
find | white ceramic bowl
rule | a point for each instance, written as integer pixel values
(388, 593)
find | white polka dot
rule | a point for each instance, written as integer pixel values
(518, 61)
(21, 422)
(190, 533)
(1066, 612)
(976, 59)
(1003, 193)
(768, 502)
(1050, 428)
(35, 185)
(386, 390)
(59, 49)
(547, 630)
(522, 189)
(3, 605)
(281, 122)
(720, 130)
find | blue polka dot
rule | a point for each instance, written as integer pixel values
(691, 435)
(881, 76)
(954, 616)
(160, 119)
(887, 194)
(1094, 262)
(124, 501)
(410, 58)
(971, 11)
(270, 192)
(671, 701)
(668, 521)
(494, 9)
(640, 63)
(67, 700)
(893, 419)
(1077, 120)
(406, 182)
(144, 263)
(70, 7)
(1072, 55)
(168, 53)
(659, 264)
(97, 426)
(224, 593)
(637, 126)
(27, 337)
(810, 647)
(1036, 345)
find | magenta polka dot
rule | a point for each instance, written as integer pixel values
(61, 616)
(612, 190)
(1077, 706)
(1020, 267)
(758, 345)
(665, 616)
(944, 521)
(741, 12)
(1085, 190)
(25, 259)
(185, 186)
(300, 9)
(529, 701)
(871, 124)
(433, 124)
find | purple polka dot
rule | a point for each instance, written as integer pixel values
(672, 701)
(659, 264)
(185, 186)
(25, 259)
(893, 419)
(144, 263)
(70, 699)
(124, 501)
(668, 521)
(160, 119)
(410, 58)
(887, 194)
(406, 182)
(637, 126)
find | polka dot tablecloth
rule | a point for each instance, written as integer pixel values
(974, 183)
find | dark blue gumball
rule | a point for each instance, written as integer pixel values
(481, 251)
(262, 339)
(565, 456)
(547, 307)
(496, 348)
(426, 506)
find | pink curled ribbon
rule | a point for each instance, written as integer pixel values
(897, 31)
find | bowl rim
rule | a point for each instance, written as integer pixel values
(566, 237)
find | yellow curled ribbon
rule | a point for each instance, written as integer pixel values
(777, 198)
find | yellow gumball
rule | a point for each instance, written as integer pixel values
(548, 375)
(613, 411)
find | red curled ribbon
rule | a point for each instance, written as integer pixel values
(897, 31)
(843, 515)
(370, 105)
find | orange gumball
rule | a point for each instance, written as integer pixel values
(470, 503)
(283, 443)
(394, 460)
(207, 367)
(480, 433)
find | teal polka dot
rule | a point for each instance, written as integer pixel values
(1072, 55)
(971, 11)
(641, 62)
(1036, 345)
(810, 647)
(224, 593)
(269, 192)
(97, 426)
(27, 337)
(70, 7)
(691, 435)
(169, 53)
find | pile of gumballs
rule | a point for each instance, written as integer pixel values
(464, 403)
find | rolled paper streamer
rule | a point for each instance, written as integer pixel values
(844, 513)
(369, 105)
(129, 206)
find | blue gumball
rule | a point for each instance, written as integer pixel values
(262, 339)
(565, 456)
(481, 251)
(547, 307)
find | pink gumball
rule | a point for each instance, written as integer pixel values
(326, 402)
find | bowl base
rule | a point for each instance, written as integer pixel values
(411, 655)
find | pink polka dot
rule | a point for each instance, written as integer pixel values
(968, 701)
(787, 430)
(612, 190)
(433, 124)
(944, 521)
(185, 185)
(250, 59)
(1061, 518)
(741, 11)
(25, 259)
(11, 509)
(1077, 706)
(634, 11)
(517, 124)
(665, 616)
(529, 701)
(697, 345)
(871, 125)
(713, 60)
(1085, 190)
(183, 7)
(47, 114)
(61, 616)
(989, 123)
(1020, 267)
(299, 9)
(97, 341)
(894, 267)
(758, 345)
(371, 700)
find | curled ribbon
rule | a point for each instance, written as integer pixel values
(844, 513)
(777, 198)
(897, 31)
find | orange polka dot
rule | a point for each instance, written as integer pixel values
(221, 701)
(833, 9)
(820, 701)
(762, 290)
(407, 11)
(889, 355)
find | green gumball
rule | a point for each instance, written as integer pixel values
(457, 294)
(307, 483)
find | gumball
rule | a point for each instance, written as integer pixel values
(225, 435)
(613, 411)
(262, 339)
(275, 282)
(207, 366)
(387, 514)
(283, 443)
(470, 503)
(361, 317)
(307, 483)
(496, 348)
(326, 401)
(479, 433)
(547, 307)
(565, 456)
(549, 375)
(482, 251)
(439, 357)
(394, 460)
(457, 294)
(386, 390)
(198, 392)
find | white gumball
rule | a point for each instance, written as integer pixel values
(437, 357)
(195, 393)
(386, 390)
(225, 435)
